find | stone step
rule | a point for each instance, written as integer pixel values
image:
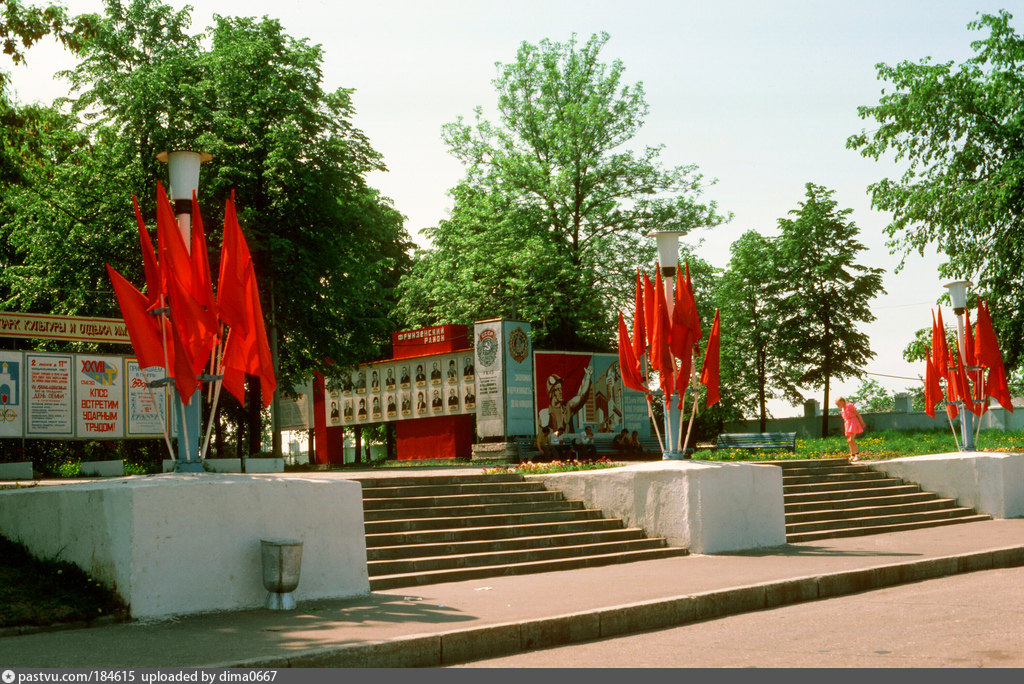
(869, 511)
(483, 509)
(418, 480)
(797, 538)
(878, 520)
(866, 475)
(850, 468)
(835, 502)
(484, 545)
(460, 500)
(842, 485)
(509, 557)
(461, 574)
(456, 535)
(450, 489)
(786, 465)
(506, 520)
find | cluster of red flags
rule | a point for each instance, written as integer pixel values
(667, 338)
(980, 351)
(179, 322)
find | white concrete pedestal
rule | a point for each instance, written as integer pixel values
(187, 543)
(705, 506)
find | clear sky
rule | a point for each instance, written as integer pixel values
(760, 95)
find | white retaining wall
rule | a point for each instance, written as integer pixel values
(186, 543)
(991, 483)
(706, 506)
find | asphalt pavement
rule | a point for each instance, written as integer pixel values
(462, 621)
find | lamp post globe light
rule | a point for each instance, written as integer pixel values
(183, 172)
(668, 257)
(958, 298)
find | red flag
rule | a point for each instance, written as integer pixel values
(963, 386)
(238, 301)
(248, 350)
(195, 326)
(185, 380)
(968, 350)
(709, 371)
(986, 348)
(694, 324)
(174, 256)
(202, 283)
(989, 356)
(235, 263)
(939, 348)
(149, 264)
(639, 322)
(932, 388)
(661, 354)
(650, 304)
(997, 387)
(627, 362)
(682, 338)
(143, 327)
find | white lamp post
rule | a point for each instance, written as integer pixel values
(183, 170)
(668, 257)
(958, 297)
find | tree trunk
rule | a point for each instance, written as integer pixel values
(824, 412)
(761, 394)
(357, 457)
(255, 427)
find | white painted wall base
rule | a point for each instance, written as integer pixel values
(706, 506)
(264, 465)
(22, 470)
(103, 468)
(988, 482)
(187, 543)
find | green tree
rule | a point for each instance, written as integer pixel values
(22, 25)
(959, 129)
(871, 395)
(328, 249)
(749, 295)
(826, 295)
(558, 154)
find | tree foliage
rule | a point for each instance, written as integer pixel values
(749, 295)
(22, 25)
(826, 293)
(556, 167)
(959, 130)
(328, 249)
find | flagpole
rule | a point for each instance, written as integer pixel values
(650, 409)
(952, 429)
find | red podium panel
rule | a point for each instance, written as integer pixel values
(440, 437)
(438, 339)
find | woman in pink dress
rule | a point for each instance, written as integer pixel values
(853, 425)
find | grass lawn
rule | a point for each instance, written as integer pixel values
(875, 445)
(38, 592)
(41, 592)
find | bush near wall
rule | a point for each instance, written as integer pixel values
(63, 458)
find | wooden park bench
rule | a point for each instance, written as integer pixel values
(757, 440)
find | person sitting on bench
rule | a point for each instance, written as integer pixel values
(621, 442)
(586, 444)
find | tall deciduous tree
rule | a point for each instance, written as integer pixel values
(750, 298)
(328, 249)
(826, 293)
(22, 25)
(960, 130)
(558, 156)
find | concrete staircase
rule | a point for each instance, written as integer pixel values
(830, 498)
(427, 530)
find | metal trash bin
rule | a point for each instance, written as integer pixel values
(282, 560)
